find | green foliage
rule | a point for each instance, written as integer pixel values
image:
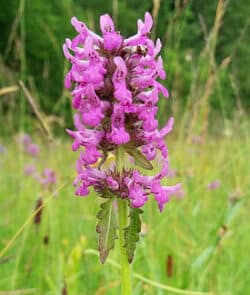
(106, 228)
(186, 229)
(132, 231)
(139, 158)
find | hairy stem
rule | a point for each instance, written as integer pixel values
(123, 222)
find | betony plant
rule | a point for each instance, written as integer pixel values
(115, 92)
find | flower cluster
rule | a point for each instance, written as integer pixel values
(115, 94)
(30, 147)
(47, 177)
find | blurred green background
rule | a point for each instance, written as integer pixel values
(206, 52)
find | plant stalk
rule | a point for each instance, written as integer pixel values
(123, 222)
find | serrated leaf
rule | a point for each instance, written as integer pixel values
(139, 158)
(131, 233)
(106, 228)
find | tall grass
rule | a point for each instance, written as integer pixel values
(205, 233)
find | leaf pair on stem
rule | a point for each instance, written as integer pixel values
(107, 229)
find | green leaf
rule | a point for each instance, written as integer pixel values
(232, 211)
(140, 159)
(106, 228)
(131, 234)
(203, 258)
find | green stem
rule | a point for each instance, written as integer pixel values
(123, 222)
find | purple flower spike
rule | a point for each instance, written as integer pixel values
(112, 39)
(214, 185)
(119, 81)
(137, 196)
(91, 108)
(30, 170)
(24, 139)
(48, 178)
(116, 90)
(33, 149)
(143, 31)
(118, 134)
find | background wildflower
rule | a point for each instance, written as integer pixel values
(214, 184)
